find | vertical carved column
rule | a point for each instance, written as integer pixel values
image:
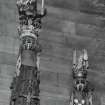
(25, 85)
(81, 93)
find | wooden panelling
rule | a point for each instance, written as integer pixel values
(64, 29)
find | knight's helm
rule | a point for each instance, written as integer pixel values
(80, 84)
(80, 79)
